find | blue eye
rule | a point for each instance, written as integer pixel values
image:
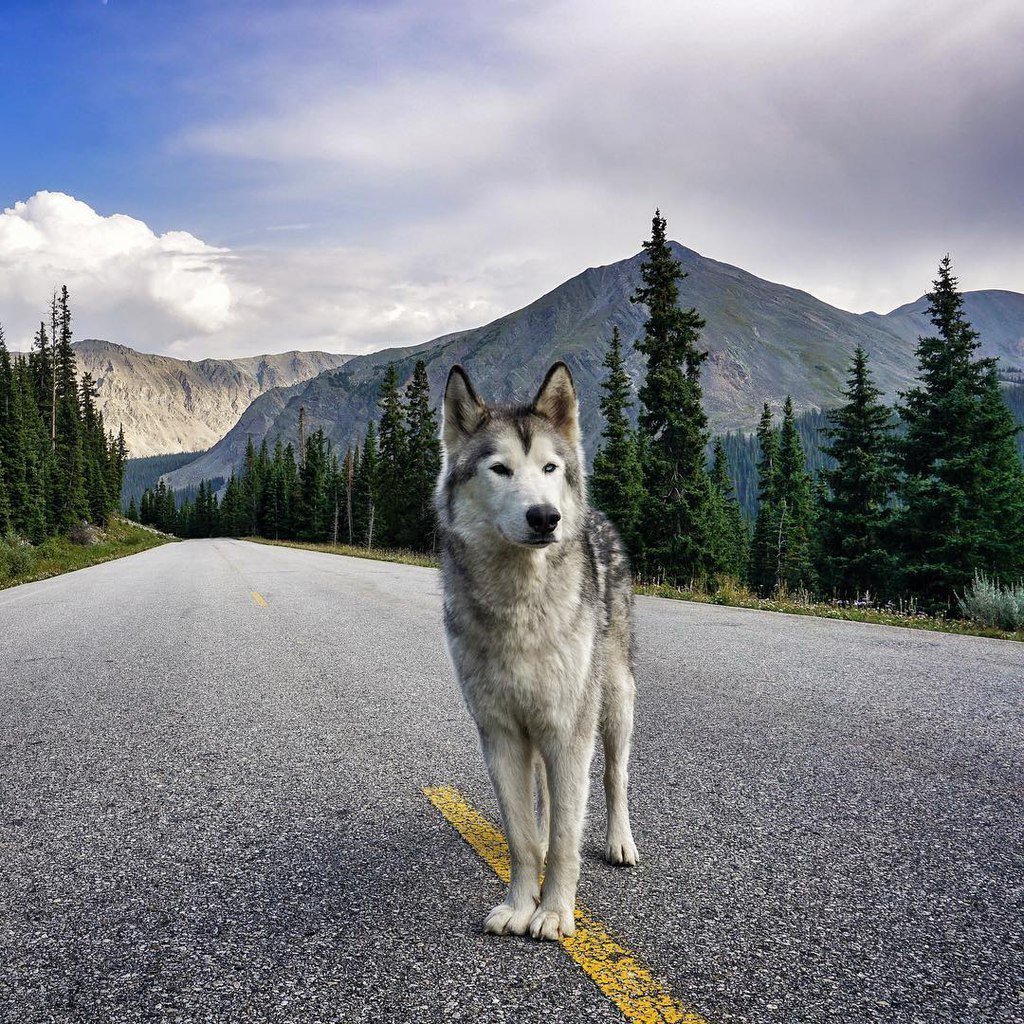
(550, 468)
(501, 470)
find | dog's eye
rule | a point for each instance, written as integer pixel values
(501, 470)
(550, 468)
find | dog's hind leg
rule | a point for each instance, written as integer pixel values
(616, 735)
(509, 758)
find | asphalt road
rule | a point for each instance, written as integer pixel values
(211, 809)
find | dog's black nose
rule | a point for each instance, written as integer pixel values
(543, 518)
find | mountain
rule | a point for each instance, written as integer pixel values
(998, 316)
(765, 340)
(173, 405)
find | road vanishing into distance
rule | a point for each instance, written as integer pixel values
(212, 764)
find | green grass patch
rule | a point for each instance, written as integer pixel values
(739, 597)
(729, 595)
(58, 555)
(374, 554)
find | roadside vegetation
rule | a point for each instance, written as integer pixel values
(61, 471)
(404, 557)
(85, 545)
(994, 605)
(989, 621)
(912, 514)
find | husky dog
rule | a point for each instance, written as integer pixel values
(537, 610)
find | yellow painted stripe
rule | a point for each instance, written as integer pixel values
(259, 599)
(620, 975)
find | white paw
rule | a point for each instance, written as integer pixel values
(505, 919)
(552, 924)
(621, 850)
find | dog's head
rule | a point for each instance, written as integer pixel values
(512, 474)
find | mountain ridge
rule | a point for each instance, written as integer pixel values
(170, 405)
(765, 340)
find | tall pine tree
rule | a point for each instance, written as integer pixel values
(941, 455)
(728, 534)
(674, 525)
(423, 462)
(794, 502)
(617, 482)
(764, 554)
(857, 500)
(392, 506)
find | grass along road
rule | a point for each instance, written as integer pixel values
(731, 596)
(58, 555)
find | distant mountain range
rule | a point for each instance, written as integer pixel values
(765, 340)
(173, 405)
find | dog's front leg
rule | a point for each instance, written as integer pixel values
(568, 769)
(509, 758)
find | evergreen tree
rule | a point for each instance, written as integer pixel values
(273, 516)
(44, 378)
(233, 510)
(69, 501)
(764, 545)
(351, 472)
(795, 509)
(617, 482)
(857, 499)
(365, 491)
(422, 462)
(13, 442)
(392, 504)
(1000, 516)
(313, 515)
(96, 457)
(729, 536)
(674, 524)
(6, 521)
(941, 455)
(250, 488)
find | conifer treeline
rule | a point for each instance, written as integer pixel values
(904, 506)
(58, 464)
(375, 494)
(907, 509)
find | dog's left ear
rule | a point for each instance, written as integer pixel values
(556, 402)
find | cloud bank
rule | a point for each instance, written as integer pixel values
(177, 294)
(124, 277)
(375, 175)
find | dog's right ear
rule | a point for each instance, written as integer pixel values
(463, 410)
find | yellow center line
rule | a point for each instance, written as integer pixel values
(620, 975)
(259, 599)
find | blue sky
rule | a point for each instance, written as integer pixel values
(224, 177)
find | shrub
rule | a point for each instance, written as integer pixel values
(15, 557)
(85, 534)
(994, 604)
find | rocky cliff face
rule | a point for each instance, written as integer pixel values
(173, 405)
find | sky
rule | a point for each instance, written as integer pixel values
(218, 179)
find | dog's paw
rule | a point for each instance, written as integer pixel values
(621, 850)
(505, 919)
(551, 924)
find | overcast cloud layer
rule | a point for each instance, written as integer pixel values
(386, 174)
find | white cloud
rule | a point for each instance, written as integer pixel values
(413, 169)
(123, 276)
(177, 294)
(842, 149)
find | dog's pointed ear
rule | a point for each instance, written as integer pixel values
(556, 401)
(463, 410)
